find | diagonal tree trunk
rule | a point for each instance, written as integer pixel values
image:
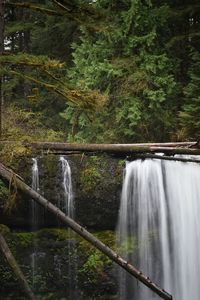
(13, 179)
(16, 269)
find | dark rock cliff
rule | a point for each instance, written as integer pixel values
(97, 183)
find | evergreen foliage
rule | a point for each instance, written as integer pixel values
(128, 69)
(190, 114)
(134, 69)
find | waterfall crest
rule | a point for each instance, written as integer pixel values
(159, 228)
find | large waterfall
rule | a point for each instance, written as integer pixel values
(159, 228)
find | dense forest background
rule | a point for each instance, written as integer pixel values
(101, 71)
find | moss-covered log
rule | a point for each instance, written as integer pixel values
(191, 148)
(9, 176)
(117, 149)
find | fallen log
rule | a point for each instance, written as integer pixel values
(8, 176)
(167, 144)
(15, 267)
(118, 149)
(115, 150)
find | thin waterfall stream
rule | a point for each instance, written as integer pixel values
(36, 186)
(159, 228)
(34, 216)
(67, 205)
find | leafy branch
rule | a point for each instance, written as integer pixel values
(88, 100)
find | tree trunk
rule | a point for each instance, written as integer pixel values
(2, 3)
(124, 150)
(117, 149)
(16, 269)
(13, 179)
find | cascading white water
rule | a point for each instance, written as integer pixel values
(36, 187)
(67, 205)
(34, 216)
(35, 175)
(159, 228)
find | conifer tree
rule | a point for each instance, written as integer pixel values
(190, 114)
(135, 52)
(54, 80)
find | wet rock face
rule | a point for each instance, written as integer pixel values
(97, 183)
(98, 190)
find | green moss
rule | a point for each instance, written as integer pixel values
(57, 234)
(4, 193)
(95, 265)
(92, 265)
(89, 178)
(108, 237)
(121, 164)
(3, 189)
(90, 175)
(23, 240)
(50, 164)
(100, 171)
(12, 153)
(91, 255)
(4, 229)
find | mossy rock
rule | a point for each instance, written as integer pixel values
(62, 261)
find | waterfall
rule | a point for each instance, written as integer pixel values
(67, 205)
(36, 187)
(34, 217)
(159, 228)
